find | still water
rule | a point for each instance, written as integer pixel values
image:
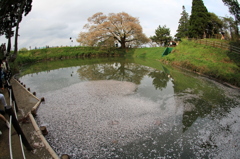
(119, 108)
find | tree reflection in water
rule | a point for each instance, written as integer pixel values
(121, 71)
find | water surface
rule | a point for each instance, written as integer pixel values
(124, 109)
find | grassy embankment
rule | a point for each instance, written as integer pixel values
(33, 56)
(50, 54)
(214, 62)
(57, 54)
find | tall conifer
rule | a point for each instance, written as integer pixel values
(183, 25)
(198, 19)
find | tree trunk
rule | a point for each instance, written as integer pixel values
(16, 41)
(9, 42)
(16, 32)
(231, 33)
(123, 43)
(9, 45)
(237, 30)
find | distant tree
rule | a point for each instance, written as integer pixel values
(183, 24)
(215, 25)
(112, 29)
(234, 9)
(229, 28)
(162, 35)
(199, 19)
(23, 49)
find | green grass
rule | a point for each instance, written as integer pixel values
(214, 62)
(56, 53)
(207, 60)
(147, 53)
(73, 52)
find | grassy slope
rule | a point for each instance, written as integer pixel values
(148, 53)
(207, 60)
(43, 54)
(55, 53)
(33, 56)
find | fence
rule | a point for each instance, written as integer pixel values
(11, 110)
(221, 45)
(31, 115)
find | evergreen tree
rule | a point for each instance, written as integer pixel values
(234, 9)
(183, 25)
(11, 12)
(198, 20)
(162, 35)
(229, 28)
(215, 25)
(23, 7)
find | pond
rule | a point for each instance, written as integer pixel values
(132, 108)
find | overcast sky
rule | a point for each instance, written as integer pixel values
(53, 22)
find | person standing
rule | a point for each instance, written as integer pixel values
(3, 101)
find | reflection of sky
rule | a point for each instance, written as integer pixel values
(53, 80)
(64, 77)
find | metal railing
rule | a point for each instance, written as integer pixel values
(10, 137)
(12, 112)
(37, 129)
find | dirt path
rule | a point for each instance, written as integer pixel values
(25, 102)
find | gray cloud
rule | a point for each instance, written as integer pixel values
(56, 26)
(53, 22)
